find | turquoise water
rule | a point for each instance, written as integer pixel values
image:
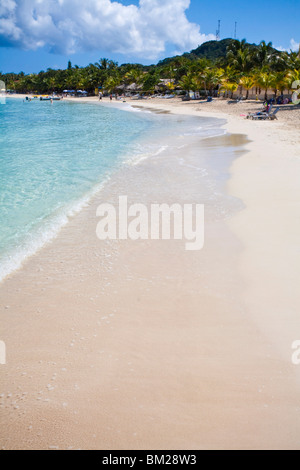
(53, 157)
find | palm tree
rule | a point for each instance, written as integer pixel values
(112, 65)
(291, 78)
(169, 71)
(264, 79)
(279, 82)
(248, 83)
(240, 57)
(271, 69)
(51, 84)
(200, 65)
(229, 87)
(111, 84)
(229, 79)
(264, 54)
(292, 60)
(134, 76)
(189, 82)
(210, 78)
(102, 64)
(150, 81)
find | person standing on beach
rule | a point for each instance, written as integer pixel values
(110, 97)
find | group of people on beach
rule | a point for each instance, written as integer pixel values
(111, 96)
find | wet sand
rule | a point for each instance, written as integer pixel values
(143, 345)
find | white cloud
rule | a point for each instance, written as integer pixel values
(280, 48)
(294, 46)
(68, 26)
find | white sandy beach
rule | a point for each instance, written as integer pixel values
(141, 345)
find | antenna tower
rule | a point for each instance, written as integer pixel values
(218, 32)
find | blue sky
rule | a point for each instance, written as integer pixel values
(35, 34)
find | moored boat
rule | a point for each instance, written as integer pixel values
(49, 98)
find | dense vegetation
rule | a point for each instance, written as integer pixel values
(215, 50)
(224, 65)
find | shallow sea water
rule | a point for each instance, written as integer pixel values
(55, 157)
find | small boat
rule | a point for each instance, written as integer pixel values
(49, 98)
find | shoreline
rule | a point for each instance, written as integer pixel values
(267, 180)
(42, 238)
(180, 365)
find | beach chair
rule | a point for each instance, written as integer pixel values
(267, 116)
(273, 116)
(259, 115)
(264, 115)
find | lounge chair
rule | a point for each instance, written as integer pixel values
(273, 116)
(265, 116)
(260, 114)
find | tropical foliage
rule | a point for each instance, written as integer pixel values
(229, 66)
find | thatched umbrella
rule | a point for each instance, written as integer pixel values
(132, 87)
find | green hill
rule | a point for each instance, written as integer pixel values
(212, 50)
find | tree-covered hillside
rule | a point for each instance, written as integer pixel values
(226, 66)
